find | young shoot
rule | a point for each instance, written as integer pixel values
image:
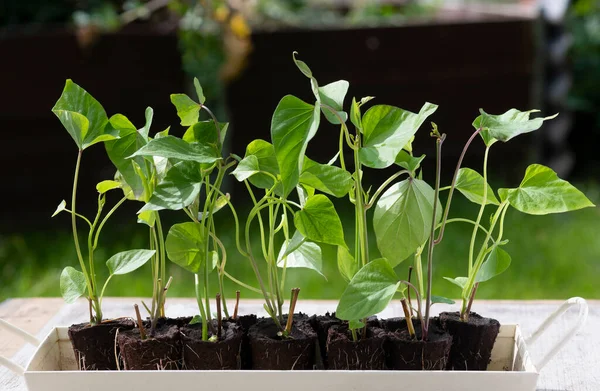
(273, 172)
(541, 192)
(194, 173)
(86, 121)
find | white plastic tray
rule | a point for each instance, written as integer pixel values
(53, 367)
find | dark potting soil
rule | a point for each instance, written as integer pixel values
(207, 355)
(472, 341)
(406, 353)
(245, 322)
(162, 351)
(272, 352)
(94, 346)
(365, 354)
(321, 324)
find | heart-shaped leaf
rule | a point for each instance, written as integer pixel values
(175, 148)
(402, 219)
(496, 263)
(178, 189)
(505, 126)
(346, 263)
(542, 192)
(72, 284)
(293, 125)
(409, 162)
(82, 116)
(333, 95)
(470, 183)
(187, 110)
(107, 185)
(369, 292)
(247, 167)
(387, 129)
(128, 261)
(318, 221)
(267, 163)
(60, 208)
(186, 246)
(307, 255)
(328, 179)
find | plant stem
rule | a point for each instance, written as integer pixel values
(139, 322)
(237, 304)
(360, 211)
(90, 287)
(219, 316)
(407, 315)
(453, 186)
(162, 258)
(481, 209)
(465, 315)
(381, 188)
(201, 307)
(410, 269)
(290, 319)
(438, 171)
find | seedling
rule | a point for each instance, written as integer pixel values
(279, 169)
(382, 138)
(541, 192)
(138, 177)
(86, 121)
(190, 163)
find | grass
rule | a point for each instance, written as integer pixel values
(553, 257)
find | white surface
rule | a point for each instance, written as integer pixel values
(576, 368)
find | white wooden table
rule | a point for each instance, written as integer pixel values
(576, 368)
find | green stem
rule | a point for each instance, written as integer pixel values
(438, 173)
(481, 209)
(201, 307)
(105, 219)
(161, 264)
(90, 288)
(461, 220)
(360, 210)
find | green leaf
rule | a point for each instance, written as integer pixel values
(178, 189)
(302, 66)
(458, 281)
(293, 244)
(119, 152)
(107, 185)
(267, 162)
(346, 264)
(149, 114)
(408, 162)
(505, 126)
(328, 179)
(187, 110)
(318, 221)
(219, 204)
(195, 320)
(147, 217)
(128, 261)
(496, 263)
(246, 168)
(333, 95)
(60, 208)
(206, 132)
(199, 91)
(441, 300)
(355, 117)
(186, 246)
(387, 130)
(82, 116)
(542, 192)
(470, 183)
(308, 256)
(369, 292)
(72, 284)
(293, 125)
(175, 148)
(402, 219)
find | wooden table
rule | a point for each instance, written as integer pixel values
(576, 368)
